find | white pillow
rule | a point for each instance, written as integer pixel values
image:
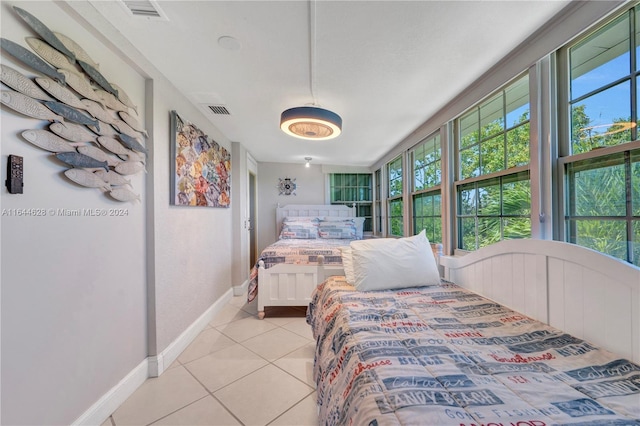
(347, 264)
(389, 263)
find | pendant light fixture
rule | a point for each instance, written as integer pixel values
(311, 122)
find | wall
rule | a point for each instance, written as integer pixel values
(310, 190)
(85, 300)
(73, 288)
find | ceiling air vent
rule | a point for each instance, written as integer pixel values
(144, 9)
(219, 109)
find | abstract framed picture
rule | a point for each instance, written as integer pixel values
(200, 167)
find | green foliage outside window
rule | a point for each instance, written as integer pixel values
(493, 138)
(602, 206)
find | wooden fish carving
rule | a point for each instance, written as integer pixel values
(111, 101)
(76, 159)
(136, 156)
(47, 141)
(104, 129)
(112, 178)
(129, 167)
(123, 127)
(123, 194)
(132, 122)
(70, 113)
(49, 54)
(98, 154)
(124, 98)
(113, 145)
(98, 111)
(86, 178)
(95, 75)
(25, 56)
(73, 132)
(44, 32)
(17, 81)
(27, 106)
(132, 143)
(80, 84)
(76, 49)
(60, 92)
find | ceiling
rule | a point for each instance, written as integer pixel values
(384, 66)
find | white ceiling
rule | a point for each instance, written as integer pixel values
(383, 66)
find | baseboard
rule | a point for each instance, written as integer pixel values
(118, 394)
(151, 366)
(239, 290)
(159, 363)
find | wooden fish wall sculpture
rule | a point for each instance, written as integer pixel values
(93, 125)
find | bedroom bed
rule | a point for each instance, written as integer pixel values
(532, 333)
(287, 271)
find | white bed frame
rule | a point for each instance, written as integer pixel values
(592, 296)
(292, 285)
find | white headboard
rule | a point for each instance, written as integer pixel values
(298, 210)
(585, 293)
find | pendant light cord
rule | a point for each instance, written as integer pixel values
(312, 49)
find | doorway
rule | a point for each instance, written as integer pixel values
(253, 255)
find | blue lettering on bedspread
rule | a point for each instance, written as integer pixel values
(456, 381)
(494, 310)
(482, 307)
(397, 400)
(617, 422)
(512, 340)
(628, 386)
(414, 382)
(430, 350)
(457, 295)
(479, 397)
(582, 407)
(544, 345)
(576, 350)
(459, 326)
(447, 320)
(615, 368)
(534, 367)
(378, 317)
(368, 354)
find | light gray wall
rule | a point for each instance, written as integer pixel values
(73, 288)
(310, 190)
(85, 300)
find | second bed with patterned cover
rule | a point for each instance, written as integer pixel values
(442, 355)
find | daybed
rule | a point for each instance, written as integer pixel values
(554, 338)
(286, 271)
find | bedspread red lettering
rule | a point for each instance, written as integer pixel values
(523, 360)
(518, 423)
(359, 369)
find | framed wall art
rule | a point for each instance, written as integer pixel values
(200, 167)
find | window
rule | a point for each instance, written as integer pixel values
(602, 162)
(350, 188)
(378, 198)
(493, 184)
(427, 176)
(395, 206)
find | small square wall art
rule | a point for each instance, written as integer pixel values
(200, 167)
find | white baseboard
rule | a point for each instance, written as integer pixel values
(118, 394)
(239, 290)
(151, 366)
(159, 363)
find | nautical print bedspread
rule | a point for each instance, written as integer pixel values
(442, 355)
(299, 252)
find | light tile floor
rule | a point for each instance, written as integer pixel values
(240, 370)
